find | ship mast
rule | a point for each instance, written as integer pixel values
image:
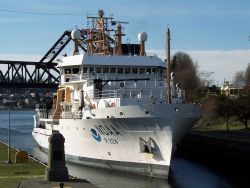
(98, 42)
(168, 96)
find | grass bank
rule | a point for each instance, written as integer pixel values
(10, 174)
(218, 124)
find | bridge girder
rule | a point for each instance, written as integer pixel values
(42, 74)
(21, 74)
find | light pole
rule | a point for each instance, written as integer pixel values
(9, 161)
(9, 102)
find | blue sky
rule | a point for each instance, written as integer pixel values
(214, 32)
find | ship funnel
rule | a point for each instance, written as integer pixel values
(76, 36)
(142, 38)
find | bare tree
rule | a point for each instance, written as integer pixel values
(186, 74)
(239, 78)
(225, 108)
(242, 109)
(247, 75)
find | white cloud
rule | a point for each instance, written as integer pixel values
(224, 63)
(20, 57)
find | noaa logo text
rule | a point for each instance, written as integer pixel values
(96, 135)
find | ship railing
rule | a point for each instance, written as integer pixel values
(44, 113)
(71, 115)
(137, 93)
(67, 115)
(77, 77)
(152, 54)
(129, 93)
(74, 77)
(114, 76)
(70, 77)
(104, 94)
(179, 94)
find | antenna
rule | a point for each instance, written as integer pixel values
(168, 97)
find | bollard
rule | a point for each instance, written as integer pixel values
(61, 185)
(56, 169)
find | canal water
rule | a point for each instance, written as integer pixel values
(185, 173)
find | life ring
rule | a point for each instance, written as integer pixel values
(113, 104)
(93, 106)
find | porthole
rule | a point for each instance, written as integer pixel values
(121, 114)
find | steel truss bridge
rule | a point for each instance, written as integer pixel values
(42, 74)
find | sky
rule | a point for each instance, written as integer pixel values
(214, 33)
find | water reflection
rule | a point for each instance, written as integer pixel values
(109, 179)
(183, 174)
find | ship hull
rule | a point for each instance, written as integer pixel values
(140, 145)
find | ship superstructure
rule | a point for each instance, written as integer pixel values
(112, 104)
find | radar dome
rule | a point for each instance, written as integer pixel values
(76, 34)
(142, 37)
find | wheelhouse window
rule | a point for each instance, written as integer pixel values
(148, 71)
(142, 71)
(154, 70)
(91, 69)
(161, 71)
(98, 69)
(85, 69)
(127, 70)
(120, 70)
(67, 71)
(75, 70)
(105, 69)
(134, 71)
(112, 70)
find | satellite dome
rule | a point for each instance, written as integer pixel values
(76, 34)
(142, 37)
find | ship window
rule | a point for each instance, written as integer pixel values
(67, 71)
(113, 70)
(105, 69)
(161, 71)
(148, 71)
(154, 70)
(85, 69)
(98, 69)
(120, 70)
(142, 71)
(91, 69)
(134, 71)
(127, 70)
(75, 70)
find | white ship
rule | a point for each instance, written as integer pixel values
(113, 105)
